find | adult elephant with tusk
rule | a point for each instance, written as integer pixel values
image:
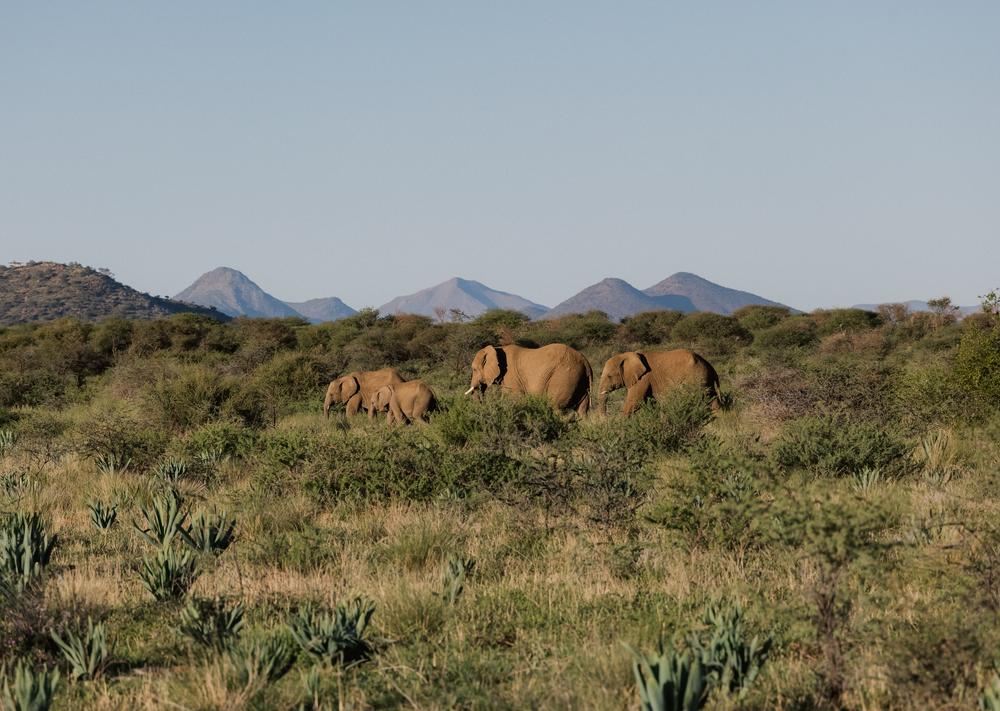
(653, 374)
(357, 389)
(556, 371)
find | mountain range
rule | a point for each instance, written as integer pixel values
(234, 294)
(40, 291)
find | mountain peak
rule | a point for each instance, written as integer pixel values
(618, 299)
(706, 295)
(466, 295)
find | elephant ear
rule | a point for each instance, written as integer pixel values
(633, 367)
(492, 367)
(349, 387)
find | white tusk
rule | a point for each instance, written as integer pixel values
(603, 392)
(469, 391)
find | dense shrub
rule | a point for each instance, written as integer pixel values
(649, 328)
(792, 333)
(712, 332)
(224, 438)
(504, 424)
(835, 320)
(977, 363)
(836, 445)
(187, 396)
(757, 317)
(121, 436)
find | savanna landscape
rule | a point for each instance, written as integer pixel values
(182, 527)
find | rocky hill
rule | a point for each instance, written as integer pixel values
(470, 297)
(43, 291)
(706, 295)
(320, 310)
(618, 299)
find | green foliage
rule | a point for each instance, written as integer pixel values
(211, 623)
(730, 660)
(501, 424)
(456, 569)
(838, 446)
(172, 472)
(28, 689)
(830, 321)
(168, 575)
(87, 651)
(670, 680)
(226, 438)
(797, 332)
(187, 396)
(260, 662)
(650, 327)
(165, 518)
(759, 317)
(7, 440)
(336, 636)
(25, 549)
(712, 332)
(102, 515)
(989, 698)
(112, 464)
(977, 365)
(115, 441)
(211, 533)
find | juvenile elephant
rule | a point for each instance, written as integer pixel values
(356, 389)
(653, 374)
(405, 403)
(556, 371)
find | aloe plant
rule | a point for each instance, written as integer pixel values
(989, 698)
(7, 441)
(168, 575)
(173, 471)
(25, 549)
(262, 661)
(211, 624)
(453, 580)
(112, 463)
(336, 636)
(87, 652)
(28, 689)
(211, 533)
(670, 680)
(164, 519)
(103, 516)
(730, 660)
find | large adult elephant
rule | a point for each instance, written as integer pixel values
(653, 374)
(356, 389)
(556, 371)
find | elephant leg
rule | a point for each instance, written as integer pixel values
(354, 404)
(584, 407)
(635, 397)
(398, 413)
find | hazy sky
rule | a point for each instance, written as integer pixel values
(814, 153)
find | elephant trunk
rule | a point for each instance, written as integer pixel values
(602, 402)
(326, 405)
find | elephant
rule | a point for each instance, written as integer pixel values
(557, 371)
(653, 374)
(405, 403)
(356, 389)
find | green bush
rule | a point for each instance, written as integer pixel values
(87, 651)
(830, 321)
(227, 438)
(649, 328)
(25, 549)
(836, 445)
(168, 575)
(187, 396)
(117, 441)
(977, 365)
(499, 423)
(757, 317)
(712, 332)
(211, 623)
(791, 333)
(670, 680)
(28, 689)
(335, 636)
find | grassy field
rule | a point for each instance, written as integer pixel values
(837, 525)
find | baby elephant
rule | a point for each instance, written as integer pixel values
(405, 402)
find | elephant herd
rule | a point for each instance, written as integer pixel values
(556, 371)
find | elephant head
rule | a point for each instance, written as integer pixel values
(380, 400)
(340, 390)
(488, 368)
(621, 371)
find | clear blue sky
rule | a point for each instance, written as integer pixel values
(815, 153)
